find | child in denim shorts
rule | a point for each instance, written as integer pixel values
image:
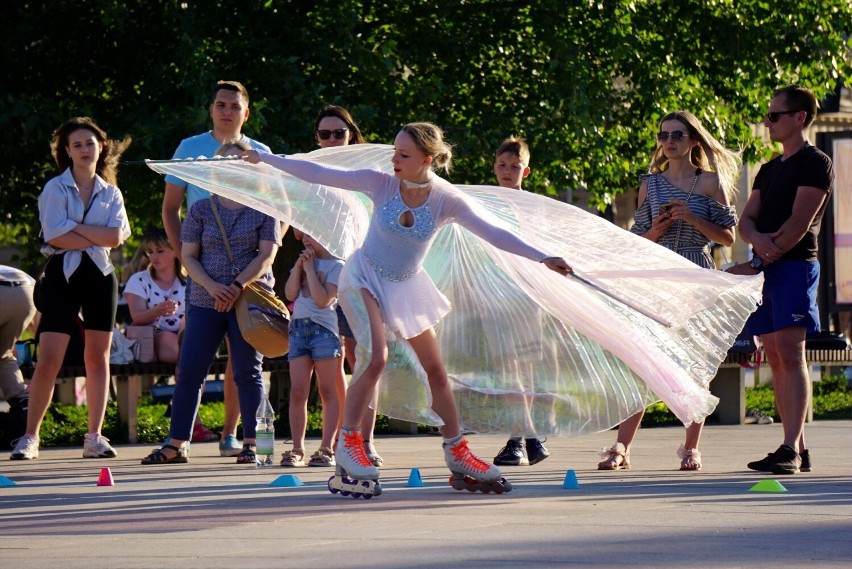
(314, 345)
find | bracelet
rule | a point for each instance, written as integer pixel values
(550, 259)
(238, 284)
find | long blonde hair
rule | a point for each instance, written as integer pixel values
(709, 154)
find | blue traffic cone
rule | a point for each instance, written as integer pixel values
(570, 482)
(414, 479)
(6, 482)
(287, 480)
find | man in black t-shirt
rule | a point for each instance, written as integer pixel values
(781, 221)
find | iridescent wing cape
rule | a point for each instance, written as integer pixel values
(527, 350)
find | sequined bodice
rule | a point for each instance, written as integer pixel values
(394, 250)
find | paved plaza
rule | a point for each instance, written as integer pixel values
(212, 513)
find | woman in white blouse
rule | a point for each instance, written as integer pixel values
(82, 217)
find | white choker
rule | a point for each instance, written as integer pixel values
(412, 185)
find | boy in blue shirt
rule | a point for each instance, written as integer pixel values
(229, 112)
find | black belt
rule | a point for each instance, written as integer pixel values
(14, 283)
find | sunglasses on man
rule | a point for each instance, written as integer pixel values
(338, 133)
(675, 135)
(774, 116)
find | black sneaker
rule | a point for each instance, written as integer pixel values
(785, 460)
(536, 451)
(806, 461)
(513, 454)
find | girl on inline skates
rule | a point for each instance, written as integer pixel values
(384, 285)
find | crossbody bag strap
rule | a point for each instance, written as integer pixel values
(698, 172)
(221, 229)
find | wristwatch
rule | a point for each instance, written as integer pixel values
(756, 263)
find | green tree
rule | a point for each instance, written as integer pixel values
(585, 81)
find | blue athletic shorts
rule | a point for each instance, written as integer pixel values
(789, 298)
(307, 338)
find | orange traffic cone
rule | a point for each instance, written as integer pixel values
(105, 479)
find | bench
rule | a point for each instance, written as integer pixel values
(127, 381)
(730, 381)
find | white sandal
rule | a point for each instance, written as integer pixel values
(323, 457)
(614, 458)
(293, 458)
(689, 459)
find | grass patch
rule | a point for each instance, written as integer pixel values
(832, 399)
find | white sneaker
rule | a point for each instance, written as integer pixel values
(26, 449)
(97, 446)
(755, 416)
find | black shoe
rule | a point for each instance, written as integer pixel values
(513, 454)
(536, 451)
(785, 460)
(806, 461)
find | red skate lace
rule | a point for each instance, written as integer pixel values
(354, 445)
(463, 454)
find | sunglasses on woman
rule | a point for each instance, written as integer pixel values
(338, 133)
(675, 135)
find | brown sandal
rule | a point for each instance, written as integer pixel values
(614, 458)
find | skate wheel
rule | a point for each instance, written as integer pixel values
(368, 496)
(356, 495)
(344, 492)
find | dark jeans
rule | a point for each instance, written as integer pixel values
(205, 330)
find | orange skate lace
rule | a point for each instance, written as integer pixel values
(354, 445)
(463, 454)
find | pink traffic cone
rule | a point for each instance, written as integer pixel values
(105, 479)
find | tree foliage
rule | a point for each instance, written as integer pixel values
(585, 81)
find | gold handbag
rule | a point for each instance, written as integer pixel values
(264, 320)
